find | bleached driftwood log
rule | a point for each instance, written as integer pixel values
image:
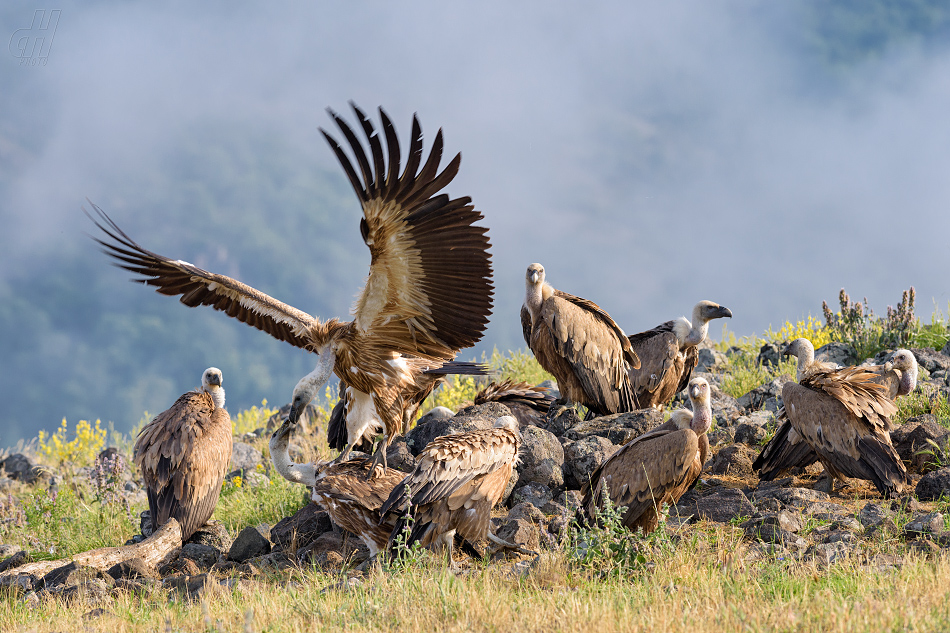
(152, 550)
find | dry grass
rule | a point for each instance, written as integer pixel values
(701, 578)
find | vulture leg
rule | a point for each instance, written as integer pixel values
(346, 453)
(379, 458)
(558, 407)
(503, 543)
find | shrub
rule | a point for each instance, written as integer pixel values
(856, 324)
(56, 450)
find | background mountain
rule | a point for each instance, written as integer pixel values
(759, 154)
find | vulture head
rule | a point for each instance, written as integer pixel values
(904, 361)
(699, 396)
(803, 350)
(309, 385)
(535, 276)
(706, 311)
(690, 334)
(536, 290)
(211, 382)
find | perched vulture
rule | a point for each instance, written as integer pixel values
(428, 293)
(527, 403)
(184, 453)
(840, 416)
(899, 374)
(580, 345)
(668, 354)
(655, 468)
(345, 490)
(456, 482)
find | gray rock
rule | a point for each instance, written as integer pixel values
(767, 396)
(709, 360)
(542, 458)
(769, 355)
(931, 360)
(582, 457)
(735, 460)
(723, 506)
(567, 420)
(399, 457)
(912, 441)
(204, 555)
(848, 523)
(795, 497)
(838, 353)
(751, 434)
(931, 523)
(250, 543)
(245, 457)
(840, 536)
(934, 485)
(872, 515)
(19, 467)
(17, 584)
(17, 558)
(622, 427)
(472, 418)
(301, 529)
(570, 499)
(769, 529)
(829, 553)
(249, 478)
(437, 413)
(526, 511)
(519, 532)
(213, 534)
(533, 493)
(133, 568)
(89, 592)
(72, 574)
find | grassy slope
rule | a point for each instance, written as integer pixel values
(698, 577)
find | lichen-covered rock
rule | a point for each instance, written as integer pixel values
(872, 514)
(735, 460)
(751, 434)
(912, 441)
(931, 523)
(541, 458)
(581, 458)
(204, 555)
(250, 543)
(533, 493)
(472, 418)
(767, 396)
(567, 420)
(622, 426)
(301, 529)
(934, 484)
(526, 511)
(399, 456)
(931, 360)
(213, 534)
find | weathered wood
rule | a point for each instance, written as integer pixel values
(152, 550)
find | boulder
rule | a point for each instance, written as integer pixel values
(709, 359)
(245, 457)
(751, 434)
(133, 568)
(934, 485)
(838, 353)
(72, 574)
(769, 355)
(931, 360)
(722, 506)
(301, 529)
(519, 532)
(204, 555)
(19, 467)
(526, 511)
(735, 461)
(542, 458)
(399, 457)
(213, 534)
(912, 441)
(619, 428)
(567, 420)
(931, 523)
(251, 542)
(790, 497)
(581, 458)
(872, 515)
(767, 396)
(533, 493)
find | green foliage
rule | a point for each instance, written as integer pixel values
(936, 334)
(919, 403)
(252, 419)
(742, 374)
(57, 450)
(517, 365)
(406, 556)
(605, 547)
(856, 324)
(241, 505)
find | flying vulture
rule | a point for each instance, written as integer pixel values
(655, 468)
(527, 403)
(668, 353)
(344, 490)
(456, 482)
(580, 345)
(428, 293)
(183, 454)
(842, 415)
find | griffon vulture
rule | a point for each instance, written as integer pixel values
(580, 345)
(344, 490)
(655, 468)
(843, 416)
(899, 374)
(183, 454)
(428, 293)
(668, 353)
(456, 482)
(527, 403)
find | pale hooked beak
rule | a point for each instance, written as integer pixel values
(535, 275)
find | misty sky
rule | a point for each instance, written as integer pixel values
(649, 155)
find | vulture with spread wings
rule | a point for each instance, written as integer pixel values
(428, 293)
(580, 345)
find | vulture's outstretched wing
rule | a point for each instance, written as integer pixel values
(429, 289)
(200, 287)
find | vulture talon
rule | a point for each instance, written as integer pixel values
(512, 546)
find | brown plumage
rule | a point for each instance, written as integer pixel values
(345, 490)
(843, 416)
(527, 403)
(428, 293)
(655, 468)
(456, 482)
(580, 345)
(668, 353)
(183, 454)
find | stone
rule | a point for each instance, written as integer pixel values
(773, 528)
(767, 396)
(931, 523)
(541, 458)
(14, 560)
(621, 426)
(562, 423)
(526, 511)
(838, 353)
(840, 536)
(93, 591)
(520, 532)
(204, 555)
(735, 461)
(213, 534)
(472, 418)
(437, 413)
(179, 566)
(19, 467)
(751, 434)
(570, 499)
(829, 553)
(934, 485)
(723, 506)
(301, 529)
(245, 457)
(145, 523)
(329, 551)
(191, 587)
(769, 355)
(912, 441)
(533, 493)
(872, 515)
(250, 543)
(249, 478)
(72, 574)
(132, 568)
(17, 584)
(709, 360)
(931, 360)
(399, 457)
(583, 457)
(795, 497)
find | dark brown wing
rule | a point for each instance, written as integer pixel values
(661, 365)
(629, 355)
(787, 449)
(183, 455)
(690, 360)
(200, 287)
(429, 289)
(521, 392)
(526, 325)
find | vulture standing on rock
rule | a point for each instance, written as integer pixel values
(428, 293)
(456, 482)
(184, 453)
(668, 353)
(838, 416)
(344, 490)
(655, 468)
(580, 345)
